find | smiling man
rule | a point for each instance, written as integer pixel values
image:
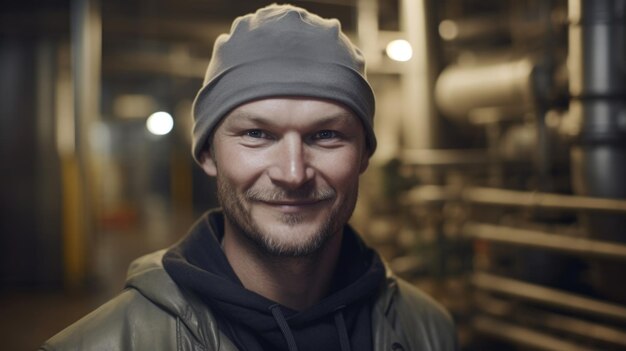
(284, 122)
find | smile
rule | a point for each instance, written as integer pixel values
(294, 205)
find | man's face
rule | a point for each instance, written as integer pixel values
(287, 172)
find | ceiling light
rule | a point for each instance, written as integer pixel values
(160, 123)
(399, 50)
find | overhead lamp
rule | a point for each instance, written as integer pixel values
(399, 50)
(160, 123)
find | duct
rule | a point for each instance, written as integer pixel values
(597, 86)
(461, 89)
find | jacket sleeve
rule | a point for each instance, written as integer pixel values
(127, 322)
(424, 323)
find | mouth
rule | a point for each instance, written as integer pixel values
(294, 201)
(295, 205)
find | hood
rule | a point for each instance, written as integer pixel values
(340, 321)
(147, 276)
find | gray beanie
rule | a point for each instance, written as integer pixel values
(281, 50)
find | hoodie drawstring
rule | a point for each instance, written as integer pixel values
(340, 323)
(284, 327)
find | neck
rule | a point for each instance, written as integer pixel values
(294, 282)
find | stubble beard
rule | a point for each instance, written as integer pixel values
(240, 217)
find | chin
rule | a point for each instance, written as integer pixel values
(293, 240)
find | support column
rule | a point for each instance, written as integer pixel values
(79, 181)
(421, 124)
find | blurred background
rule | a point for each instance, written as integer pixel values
(499, 184)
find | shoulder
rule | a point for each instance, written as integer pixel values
(422, 308)
(151, 313)
(113, 325)
(416, 318)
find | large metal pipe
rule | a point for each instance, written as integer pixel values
(597, 84)
(461, 89)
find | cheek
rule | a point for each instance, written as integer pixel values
(239, 167)
(342, 170)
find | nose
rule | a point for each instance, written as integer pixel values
(290, 168)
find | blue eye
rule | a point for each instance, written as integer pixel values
(325, 134)
(255, 133)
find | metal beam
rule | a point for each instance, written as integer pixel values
(550, 241)
(548, 296)
(502, 197)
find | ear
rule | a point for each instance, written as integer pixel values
(208, 164)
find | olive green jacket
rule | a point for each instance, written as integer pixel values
(153, 313)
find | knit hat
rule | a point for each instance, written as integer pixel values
(281, 51)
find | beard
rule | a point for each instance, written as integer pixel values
(237, 211)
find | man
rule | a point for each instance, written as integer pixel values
(284, 122)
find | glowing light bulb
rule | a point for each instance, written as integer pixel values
(399, 50)
(160, 123)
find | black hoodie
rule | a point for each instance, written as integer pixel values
(340, 321)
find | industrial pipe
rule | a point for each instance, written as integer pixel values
(597, 69)
(460, 89)
(543, 240)
(548, 296)
(494, 196)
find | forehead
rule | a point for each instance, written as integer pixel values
(296, 111)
